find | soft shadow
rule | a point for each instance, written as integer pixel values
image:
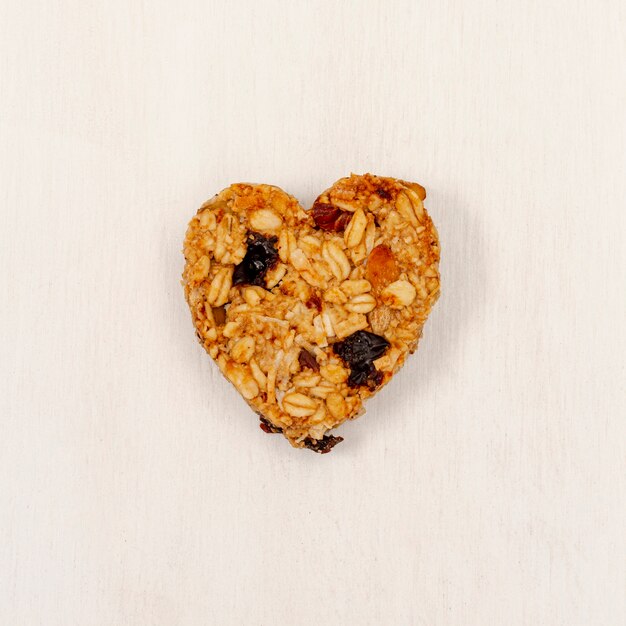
(463, 292)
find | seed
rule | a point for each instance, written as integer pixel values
(249, 389)
(400, 293)
(251, 296)
(418, 189)
(355, 229)
(363, 303)
(380, 319)
(306, 379)
(405, 208)
(299, 405)
(417, 204)
(300, 261)
(243, 349)
(207, 220)
(355, 322)
(336, 259)
(218, 292)
(328, 325)
(370, 233)
(359, 253)
(334, 373)
(223, 236)
(264, 220)
(201, 269)
(356, 287)
(258, 374)
(317, 418)
(230, 329)
(336, 405)
(271, 384)
(335, 295)
(311, 245)
(286, 244)
(322, 390)
(275, 275)
(242, 380)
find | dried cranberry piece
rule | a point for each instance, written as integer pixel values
(307, 359)
(329, 217)
(323, 445)
(260, 257)
(314, 302)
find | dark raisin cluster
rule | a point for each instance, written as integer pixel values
(359, 351)
(322, 446)
(260, 257)
(267, 426)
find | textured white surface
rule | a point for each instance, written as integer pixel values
(484, 487)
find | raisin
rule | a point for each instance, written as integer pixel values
(307, 359)
(219, 315)
(260, 257)
(359, 351)
(365, 375)
(361, 347)
(329, 217)
(267, 426)
(324, 445)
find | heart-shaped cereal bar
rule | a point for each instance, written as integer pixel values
(309, 313)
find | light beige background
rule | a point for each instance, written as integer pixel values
(485, 486)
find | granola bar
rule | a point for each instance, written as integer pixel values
(309, 313)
